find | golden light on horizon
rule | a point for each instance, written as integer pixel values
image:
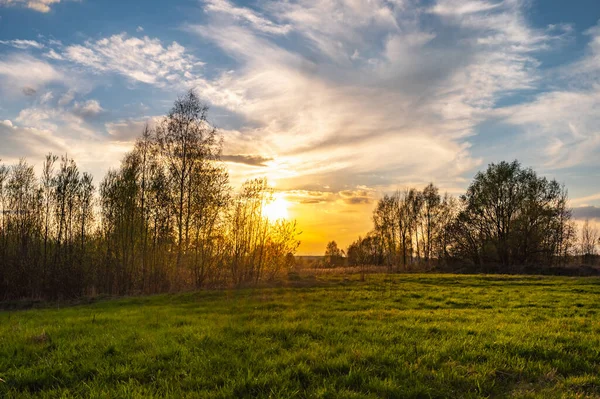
(277, 208)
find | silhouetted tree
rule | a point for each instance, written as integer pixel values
(334, 256)
(186, 140)
(588, 242)
(511, 216)
(164, 219)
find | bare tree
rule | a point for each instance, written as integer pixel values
(588, 241)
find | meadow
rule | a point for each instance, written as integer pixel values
(406, 336)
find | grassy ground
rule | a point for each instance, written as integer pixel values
(392, 336)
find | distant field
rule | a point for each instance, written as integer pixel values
(392, 336)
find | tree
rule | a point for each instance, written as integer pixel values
(186, 140)
(409, 224)
(511, 216)
(414, 206)
(164, 219)
(364, 252)
(257, 247)
(589, 241)
(386, 219)
(431, 214)
(334, 256)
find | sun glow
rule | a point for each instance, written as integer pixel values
(277, 208)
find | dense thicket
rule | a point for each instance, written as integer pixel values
(509, 217)
(166, 219)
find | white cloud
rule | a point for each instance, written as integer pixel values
(336, 29)
(87, 109)
(46, 97)
(54, 42)
(43, 128)
(52, 54)
(37, 5)
(585, 201)
(462, 7)
(66, 98)
(22, 44)
(20, 71)
(566, 126)
(343, 92)
(38, 117)
(564, 123)
(246, 15)
(127, 130)
(19, 141)
(371, 92)
(139, 59)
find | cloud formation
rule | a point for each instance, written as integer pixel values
(22, 44)
(127, 130)
(37, 5)
(586, 212)
(369, 74)
(87, 109)
(345, 93)
(564, 122)
(138, 59)
(252, 160)
(245, 15)
(359, 195)
(335, 101)
(19, 71)
(19, 141)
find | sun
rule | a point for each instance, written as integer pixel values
(277, 208)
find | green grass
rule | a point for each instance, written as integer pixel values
(415, 336)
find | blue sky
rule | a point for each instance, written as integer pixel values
(336, 102)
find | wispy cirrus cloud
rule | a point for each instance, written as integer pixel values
(335, 101)
(360, 75)
(56, 84)
(463, 7)
(22, 44)
(245, 15)
(564, 121)
(320, 85)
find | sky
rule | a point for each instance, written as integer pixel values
(335, 102)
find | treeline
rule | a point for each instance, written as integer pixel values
(509, 218)
(165, 220)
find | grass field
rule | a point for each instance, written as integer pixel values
(391, 336)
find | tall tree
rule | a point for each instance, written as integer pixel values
(186, 139)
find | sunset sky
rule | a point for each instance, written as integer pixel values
(336, 102)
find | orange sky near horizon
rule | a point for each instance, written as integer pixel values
(326, 221)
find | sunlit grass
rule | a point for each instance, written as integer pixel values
(392, 336)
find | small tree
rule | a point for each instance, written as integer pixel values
(334, 256)
(364, 252)
(589, 241)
